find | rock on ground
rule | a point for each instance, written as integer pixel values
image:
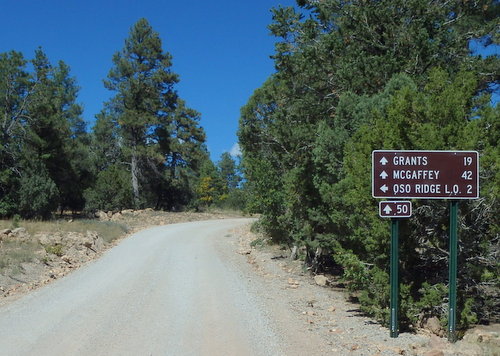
(321, 280)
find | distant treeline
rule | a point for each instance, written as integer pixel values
(356, 76)
(146, 148)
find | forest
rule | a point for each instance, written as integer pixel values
(146, 148)
(357, 76)
(350, 77)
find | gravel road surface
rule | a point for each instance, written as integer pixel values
(200, 288)
(167, 290)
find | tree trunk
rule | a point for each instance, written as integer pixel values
(315, 264)
(135, 180)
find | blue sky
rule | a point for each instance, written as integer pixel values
(220, 48)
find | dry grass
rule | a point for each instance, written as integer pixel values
(107, 230)
(14, 253)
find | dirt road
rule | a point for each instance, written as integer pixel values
(199, 288)
(164, 291)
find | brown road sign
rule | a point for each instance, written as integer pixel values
(425, 174)
(395, 209)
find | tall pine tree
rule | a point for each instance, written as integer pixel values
(145, 98)
(159, 135)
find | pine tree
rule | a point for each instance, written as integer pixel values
(56, 133)
(145, 98)
(16, 88)
(43, 147)
(228, 171)
(105, 140)
(210, 186)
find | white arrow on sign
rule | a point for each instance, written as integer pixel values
(387, 209)
(384, 175)
(384, 161)
(384, 188)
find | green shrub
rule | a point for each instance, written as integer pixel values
(16, 219)
(112, 191)
(55, 250)
(468, 316)
(356, 273)
(38, 195)
(257, 242)
(375, 298)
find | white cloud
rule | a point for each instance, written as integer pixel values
(235, 151)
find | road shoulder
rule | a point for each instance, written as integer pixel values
(319, 320)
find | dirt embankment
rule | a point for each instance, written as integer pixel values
(33, 254)
(316, 305)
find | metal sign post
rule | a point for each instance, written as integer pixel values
(394, 277)
(452, 303)
(394, 210)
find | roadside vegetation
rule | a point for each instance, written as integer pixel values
(107, 229)
(24, 247)
(145, 150)
(15, 253)
(352, 77)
